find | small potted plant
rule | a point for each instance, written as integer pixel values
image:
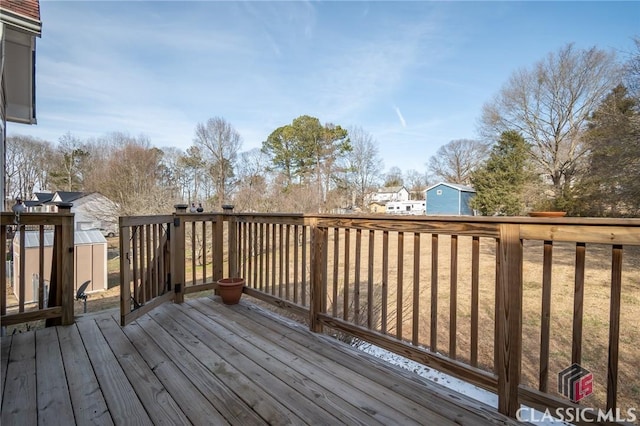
(230, 290)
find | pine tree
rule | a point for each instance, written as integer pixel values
(500, 182)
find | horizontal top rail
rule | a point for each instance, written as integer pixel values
(587, 221)
(144, 220)
(34, 219)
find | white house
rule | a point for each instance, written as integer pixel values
(392, 193)
(92, 210)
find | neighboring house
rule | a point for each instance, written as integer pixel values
(392, 193)
(19, 26)
(449, 199)
(92, 210)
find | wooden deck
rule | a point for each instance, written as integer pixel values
(205, 363)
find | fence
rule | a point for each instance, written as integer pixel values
(497, 302)
(59, 287)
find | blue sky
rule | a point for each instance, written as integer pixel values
(413, 74)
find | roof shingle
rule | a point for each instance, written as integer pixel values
(28, 8)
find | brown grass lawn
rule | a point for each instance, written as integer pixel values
(596, 305)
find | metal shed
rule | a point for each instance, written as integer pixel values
(90, 261)
(449, 199)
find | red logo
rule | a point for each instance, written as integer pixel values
(575, 382)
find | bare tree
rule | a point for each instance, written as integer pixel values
(632, 70)
(220, 144)
(364, 165)
(416, 183)
(27, 165)
(455, 161)
(253, 179)
(393, 177)
(549, 105)
(134, 177)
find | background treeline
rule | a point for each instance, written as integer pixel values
(561, 134)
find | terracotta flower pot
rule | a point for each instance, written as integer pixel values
(230, 290)
(547, 214)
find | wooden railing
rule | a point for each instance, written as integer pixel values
(482, 299)
(49, 295)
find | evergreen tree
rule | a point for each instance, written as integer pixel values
(500, 182)
(612, 187)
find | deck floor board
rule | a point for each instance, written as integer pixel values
(205, 363)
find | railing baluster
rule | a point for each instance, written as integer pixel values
(370, 290)
(135, 254)
(453, 297)
(347, 267)
(434, 294)
(475, 302)
(148, 262)
(336, 264)
(193, 253)
(400, 296)
(204, 251)
(614, 327)
(287, 272)
(23, 262)
(262, 251)
(545, 316)
(385, 281)
(40, 267)
(578, 304)
(296, 265)
(416, 288)
(356, 278)
(304, 265)
(267, 257)
(281, 259)
(273, 259)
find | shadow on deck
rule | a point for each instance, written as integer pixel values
(202, 362)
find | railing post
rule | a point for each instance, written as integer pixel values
(177, 253)
(67, 282)
(509, 327)
(317, 263)
(233, 245)
(125, 274)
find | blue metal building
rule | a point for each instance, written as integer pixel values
(449, 199)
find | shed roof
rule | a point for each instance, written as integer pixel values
(457, 186)
(32, 238)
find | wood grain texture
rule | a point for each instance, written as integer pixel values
(54, 405)
(202, 362)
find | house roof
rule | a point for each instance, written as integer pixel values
(457, 186)
(391, 189)
(67, 196)
(26, 8)
(43, 197)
